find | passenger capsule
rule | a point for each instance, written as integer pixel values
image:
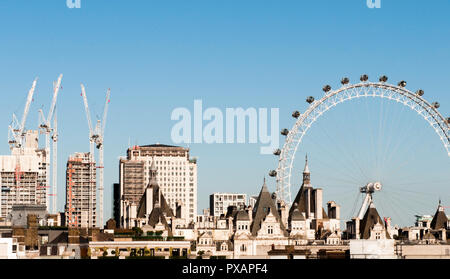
(310, 99)
(345, 81)
(272, 173)
(402, 83)
(383, 78)
(364, 78)
(277, 152)
(448, 120)
(285, 132)
(296, 114)
(420, 92)
(326, 88)
(436, 105)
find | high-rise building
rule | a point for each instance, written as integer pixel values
(177, 178)
(219, 202)
(81, 194)
(23, 176)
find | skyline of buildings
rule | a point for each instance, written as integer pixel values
(178, 182)
(269, 230)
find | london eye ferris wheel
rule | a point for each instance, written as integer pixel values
(379, 164)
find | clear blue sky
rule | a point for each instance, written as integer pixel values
(159, 55)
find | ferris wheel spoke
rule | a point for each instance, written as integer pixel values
(345, 171)
(347, 155)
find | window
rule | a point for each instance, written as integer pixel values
(269, 229)
(243, 248)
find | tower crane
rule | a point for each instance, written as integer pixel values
(91, 143)
(96, 136)
(16, 137)
(45, 128)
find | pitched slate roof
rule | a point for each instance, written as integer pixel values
(299, 201)
(156, 216)
(242, 215)
(429, 236)
(163, 203)
(158, 198)
(297, 215)
(439, 220)
(369, 220)
(264, 204)
(62, 238)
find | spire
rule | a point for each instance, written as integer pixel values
(306, 173)
(153, 172)
(264, 187)
(306, 170)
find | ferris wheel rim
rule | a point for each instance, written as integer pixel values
(396, 93)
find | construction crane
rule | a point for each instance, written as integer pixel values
(91, 140)
(16, 129)
(96, 136)
(16, 137)
(45, 128)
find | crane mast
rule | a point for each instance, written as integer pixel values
(46, 128)
(55, 164)
(100, 146)
(16, 138)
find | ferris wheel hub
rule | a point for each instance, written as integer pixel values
(371, 187)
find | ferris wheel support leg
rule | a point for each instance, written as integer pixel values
(365, 204)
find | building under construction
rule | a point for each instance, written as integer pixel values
(23, 176)
(81, 198)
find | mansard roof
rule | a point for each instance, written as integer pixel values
(264, 204)
(369, 220)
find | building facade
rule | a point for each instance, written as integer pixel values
(81, 192)
(219, 202)
(177, 179)
(23, 176)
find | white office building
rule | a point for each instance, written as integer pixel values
(219, 202)
(177, 179)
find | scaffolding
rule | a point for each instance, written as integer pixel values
(81, 191)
